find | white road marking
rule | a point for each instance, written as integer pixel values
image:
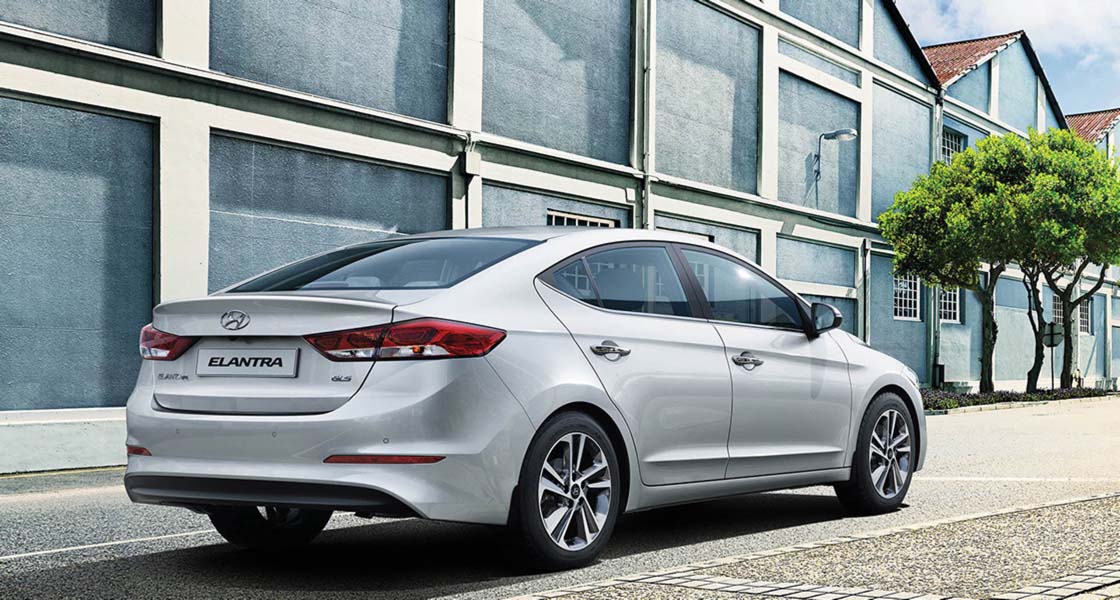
(1022, 479)
(106, 544)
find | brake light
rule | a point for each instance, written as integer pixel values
(137, 451)
(415, 339)
(160, 345)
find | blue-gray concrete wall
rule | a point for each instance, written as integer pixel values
(707, 96)
(801, 260)
(390, 54)
(270, 205)
(743, 241)
(508, 207)
(904, 340)
(974, 89)
(76, 196)
(1092, 351)
(901, 138)
(128, 24)
(846, 306)
(558, 74)
(974, 135)
(806, 110)
(818, 62)
(961, 342)
(1015, 340)
(1051, 116)
(838, 18)
(891, 46)
(1018, 88)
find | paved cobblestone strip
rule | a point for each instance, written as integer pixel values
(682, 572)
(782, 589)
(1069, 586)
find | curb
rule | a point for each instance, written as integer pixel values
(684, 571)
(1008, 405)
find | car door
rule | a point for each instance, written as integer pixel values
(791, 390)
(660, 362)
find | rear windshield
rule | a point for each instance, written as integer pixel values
(426, 263)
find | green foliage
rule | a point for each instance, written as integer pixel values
(942, 400)
(1049, 200)
(1070, 209)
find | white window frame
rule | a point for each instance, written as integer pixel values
(952, 142)
(1057, 316)
(949, 306)
(556, 218)
(907, 298)
(1085, 317)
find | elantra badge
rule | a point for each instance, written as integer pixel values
(234, 320)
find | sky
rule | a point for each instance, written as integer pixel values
(1078, 41)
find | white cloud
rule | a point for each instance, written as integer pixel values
(1073, 28)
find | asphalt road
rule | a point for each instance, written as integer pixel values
(76, 534)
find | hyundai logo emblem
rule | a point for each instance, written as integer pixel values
(234, 320)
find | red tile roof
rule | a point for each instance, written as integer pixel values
(1092, 125)
(953, 59)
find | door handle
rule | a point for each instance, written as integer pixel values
(609, 347)
(747, 359)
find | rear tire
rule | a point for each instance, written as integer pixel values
(883, 465)
(564, 516)
(269, 529)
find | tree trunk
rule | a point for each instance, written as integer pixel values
(1069, 309)
(988, 329)
(1038, 326)
(1067, 337)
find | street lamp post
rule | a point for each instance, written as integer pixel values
(840, 135)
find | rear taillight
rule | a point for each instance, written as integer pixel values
(137, 451)
(416, 339)
(160, 345)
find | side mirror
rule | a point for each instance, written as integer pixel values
(825, 317)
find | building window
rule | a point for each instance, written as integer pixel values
(1085, 314)
(1056, 310)
(561, 219)
(906, 297)
(950, 306)
(951, 143)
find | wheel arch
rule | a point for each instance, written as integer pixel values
(911, 407)
(614, 433)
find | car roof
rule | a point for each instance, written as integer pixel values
(601, 234)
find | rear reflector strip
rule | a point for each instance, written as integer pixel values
(383, 459)
(137, 451)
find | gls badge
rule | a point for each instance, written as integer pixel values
(341, 378)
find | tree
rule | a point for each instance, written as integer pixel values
(1071, 224)
(959, 221)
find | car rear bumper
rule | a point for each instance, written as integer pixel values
(204, 492)
(456, 409)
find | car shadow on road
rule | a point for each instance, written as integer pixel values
(414, 558)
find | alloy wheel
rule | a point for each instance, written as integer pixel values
(889, 457)
(574, 493)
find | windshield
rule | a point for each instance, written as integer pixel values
(426, 263)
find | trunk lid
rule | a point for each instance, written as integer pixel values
(259, 363)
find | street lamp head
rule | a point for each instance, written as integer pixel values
(842, 135)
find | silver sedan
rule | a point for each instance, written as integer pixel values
(548, 379)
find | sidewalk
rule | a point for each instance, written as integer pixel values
(1051, 552)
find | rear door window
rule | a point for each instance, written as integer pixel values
(425, 263)
(639, 279)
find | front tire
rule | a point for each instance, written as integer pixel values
(268, 528)
(569, 493)
(883, 465)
